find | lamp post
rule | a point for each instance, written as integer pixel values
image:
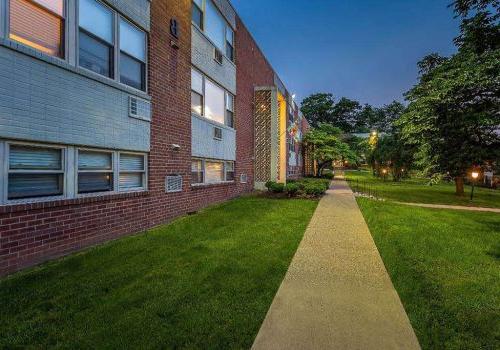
(475, 175)
(384, 171)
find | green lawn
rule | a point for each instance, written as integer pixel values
(204, 281)
(417, 190)
(445, 265)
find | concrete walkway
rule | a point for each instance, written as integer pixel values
(454, 207)
(336, 293)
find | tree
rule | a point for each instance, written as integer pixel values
(318, 109)
(388, 114)
(393, 154)
(345, 113)
(464, 7)
(325, 146)
(453, 115)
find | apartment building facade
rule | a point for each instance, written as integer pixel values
(119, 115)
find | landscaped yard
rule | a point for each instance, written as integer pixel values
(418, 191)
(204, 281)
(445, 265)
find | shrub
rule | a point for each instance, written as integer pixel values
(275, 187)
(269, 184)
(315, 189)
(328, 174)
(292, 189)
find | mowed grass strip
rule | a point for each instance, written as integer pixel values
(203, 281)
(417, 190)
(445, 265)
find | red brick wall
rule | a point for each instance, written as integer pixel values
(33, 233)
(253, 70)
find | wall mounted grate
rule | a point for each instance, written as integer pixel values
(173, 183)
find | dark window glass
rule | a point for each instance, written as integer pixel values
(96, 55)
(229, 51)
(197, 16)
(35, 185)
(95, 182)
(132, 72)
(229, 119)
(196, 103)
(197, 172)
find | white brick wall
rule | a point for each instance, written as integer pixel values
(202, 57)
(203, 144)
(43, 102)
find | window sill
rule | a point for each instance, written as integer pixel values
(61, 63)
(53, 202)
(213, 122)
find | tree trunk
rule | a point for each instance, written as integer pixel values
(459, 186)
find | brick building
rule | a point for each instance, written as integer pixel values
(124, 114)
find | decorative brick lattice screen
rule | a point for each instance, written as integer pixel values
(262, 135)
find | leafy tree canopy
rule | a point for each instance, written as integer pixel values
(454, 111)
(318, 108)
(325, 145)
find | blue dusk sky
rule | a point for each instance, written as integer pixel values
(362, 49)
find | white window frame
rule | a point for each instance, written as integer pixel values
(227, 25)
(116, 46)
(119, 51)
(69, 170)
(224, 169)
(144, 172)
(5, 28)
(78, 171)
(6, 171)
(204, 78)
(202, 171)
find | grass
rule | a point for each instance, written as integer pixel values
(445, 265)
(204, 281)
(418, 191)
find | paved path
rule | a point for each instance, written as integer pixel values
(336, 293)
(454, 207)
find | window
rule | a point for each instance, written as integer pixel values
(214, 102)
(35, 172)
(132, 55)
(95, 171)
(229, 110)
(215, 25)
(214, 171)
(206, 16)
(230, 43)
(196, 92)
(132, 172)
(197, 172)
(38, 24)
(96, 42)
(211, 101)
(197, 13)
(229, 171)
(211, 171)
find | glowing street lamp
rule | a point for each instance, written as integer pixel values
(384, 171)
(475, 175)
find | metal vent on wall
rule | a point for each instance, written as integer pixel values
(218, 57)
(139, 108)
(217, 133)
(173, 183)
(243, 178)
